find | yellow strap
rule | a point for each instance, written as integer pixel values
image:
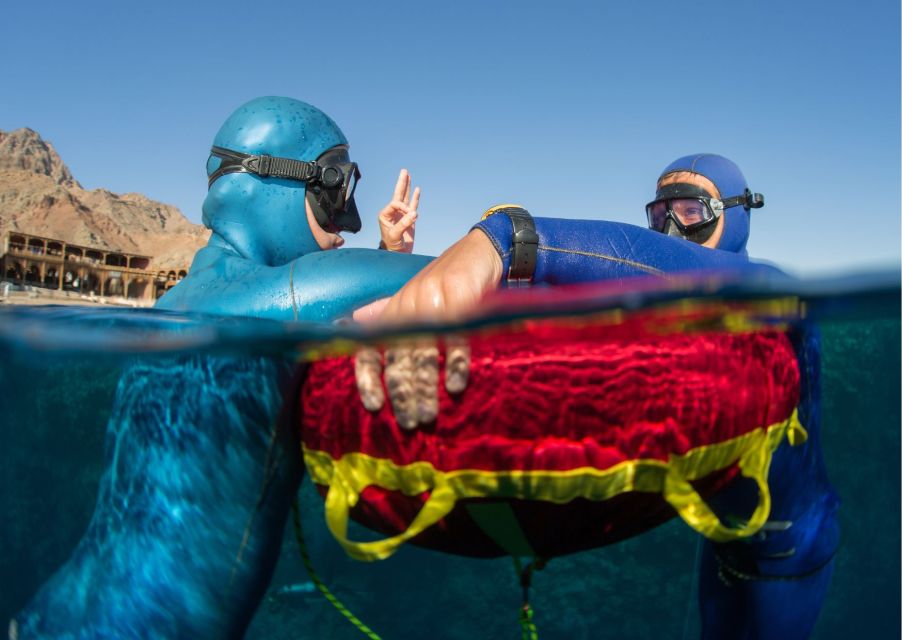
(342, 497)
(349, 476)
(754, 463)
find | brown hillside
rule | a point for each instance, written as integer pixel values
(40, 196)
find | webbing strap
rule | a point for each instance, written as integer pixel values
(499, 522)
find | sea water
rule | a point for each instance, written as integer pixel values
(58, 377)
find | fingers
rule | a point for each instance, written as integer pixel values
(398, 233)
(402, 191)
(457, 364)
(396, 209)
(399, 380)
(402, 186)
(368, 372)
(392, 211)
(411, 377)
(407, 221)
(425, 363)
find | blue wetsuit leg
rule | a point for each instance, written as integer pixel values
(774, 585)
(202, 465)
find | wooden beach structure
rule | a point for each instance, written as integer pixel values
(55, 265)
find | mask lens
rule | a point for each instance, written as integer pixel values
(691, 211)
(353, 175)
(657, 215)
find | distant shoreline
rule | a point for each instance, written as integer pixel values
(36, 296)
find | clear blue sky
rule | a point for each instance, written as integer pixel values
(570, 108)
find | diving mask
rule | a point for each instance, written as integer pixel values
(688, 210)
(330, 180)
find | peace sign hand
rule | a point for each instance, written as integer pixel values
(397, 220)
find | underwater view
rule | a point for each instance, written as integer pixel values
(59, 377)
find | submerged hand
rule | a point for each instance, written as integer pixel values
(411, 377)
(449, 287)
(398, 219)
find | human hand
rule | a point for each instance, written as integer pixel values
(447, 288)
(411, 378)
(398, 219)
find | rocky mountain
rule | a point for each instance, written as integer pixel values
(40, 196)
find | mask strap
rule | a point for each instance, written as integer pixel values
(749, 200)
(263, 166)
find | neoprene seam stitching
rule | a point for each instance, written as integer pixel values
(294, 304)
(631, 263)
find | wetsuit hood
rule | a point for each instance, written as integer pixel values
(729, 180)
(265, 219)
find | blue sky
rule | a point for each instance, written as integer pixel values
(570, 108)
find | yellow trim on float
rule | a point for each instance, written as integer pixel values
(354, 472)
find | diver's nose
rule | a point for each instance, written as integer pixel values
(671, 229)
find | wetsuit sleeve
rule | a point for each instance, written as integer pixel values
(317, 287)
(573, 251)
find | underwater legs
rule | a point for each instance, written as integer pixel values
(202, 467)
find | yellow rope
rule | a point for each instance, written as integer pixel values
(299, 534)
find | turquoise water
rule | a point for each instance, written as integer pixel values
(58, 378)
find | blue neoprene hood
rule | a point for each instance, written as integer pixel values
(729, 180)
(264, 219)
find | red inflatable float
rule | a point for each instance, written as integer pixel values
(573, 433)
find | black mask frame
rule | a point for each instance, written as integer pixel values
(714, 206)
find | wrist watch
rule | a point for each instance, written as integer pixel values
(524, 244)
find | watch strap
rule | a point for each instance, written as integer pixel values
(524, 244)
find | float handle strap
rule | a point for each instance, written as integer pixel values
(341, 497)
(692, 508)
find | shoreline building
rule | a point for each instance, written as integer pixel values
(47, 263)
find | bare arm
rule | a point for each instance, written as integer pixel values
(447, 288)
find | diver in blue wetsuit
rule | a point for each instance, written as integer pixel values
(774, 585)
(202, 460)
(281, 190)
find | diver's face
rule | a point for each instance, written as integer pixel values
(323, 238)
(687, 177)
